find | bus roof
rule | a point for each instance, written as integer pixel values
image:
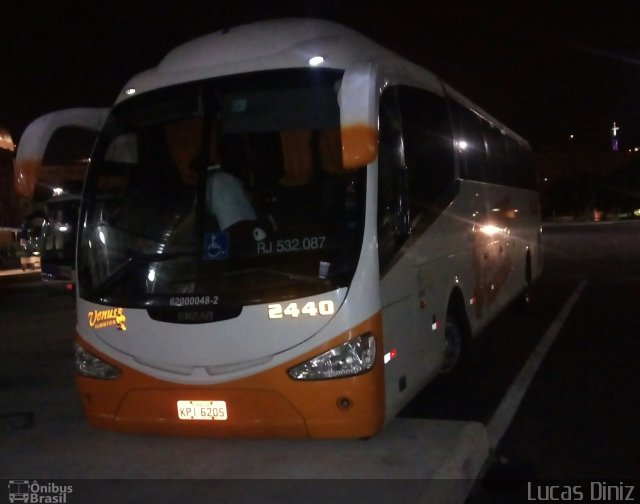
(265, 45)
(279, 44)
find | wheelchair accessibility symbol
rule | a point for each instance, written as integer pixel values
(216, 246)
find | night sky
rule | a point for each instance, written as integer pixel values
(547, 70)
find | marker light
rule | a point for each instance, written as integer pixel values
(89, 365)
(316, 60)
(390, 355)
(351, 358)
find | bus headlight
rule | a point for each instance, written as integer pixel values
(351, 358)
(88, 364)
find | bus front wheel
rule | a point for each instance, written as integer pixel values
(453, 345)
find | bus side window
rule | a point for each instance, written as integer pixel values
(530, 176)
(428, 144)
(393, 215)
(471, 146)
(497, 158)
(524, 174)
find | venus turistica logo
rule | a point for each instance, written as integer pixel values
(99, 319)
(38, 493)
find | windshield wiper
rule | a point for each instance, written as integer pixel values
(289, 276)
(132, 261)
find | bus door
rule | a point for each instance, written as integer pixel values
(410, 268)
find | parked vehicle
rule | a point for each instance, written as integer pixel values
(288, 230)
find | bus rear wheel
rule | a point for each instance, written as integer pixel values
(524, 300)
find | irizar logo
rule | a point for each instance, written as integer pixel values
(37, 493)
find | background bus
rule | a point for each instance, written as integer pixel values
(9, 247)
(31, 240)
(59, 233)
(376, 220)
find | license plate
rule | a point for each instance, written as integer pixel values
(202, 410)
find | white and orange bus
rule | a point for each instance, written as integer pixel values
(288, 230)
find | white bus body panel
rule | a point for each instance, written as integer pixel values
(454, 253)
(207, 352)
(268, 45)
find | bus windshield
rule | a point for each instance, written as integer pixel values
(230, 191)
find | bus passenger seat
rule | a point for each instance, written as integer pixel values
(296, 155)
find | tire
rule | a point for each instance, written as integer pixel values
(524, 299)
(454, 344)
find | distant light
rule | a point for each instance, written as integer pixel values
(571, 136)
(316, 60)
(102, 238)
(491, 230)
(546, 179)
(130, 91)
(63, 229)
(57, 191)
(462, 144)
(636, 149)
(151, 275)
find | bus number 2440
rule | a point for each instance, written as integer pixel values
(310, 309)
